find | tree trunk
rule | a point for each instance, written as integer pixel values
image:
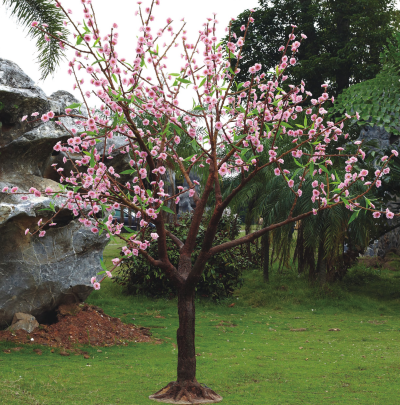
(300, 248)
(321, 263)
(185, 338)
(309, 257)
(130, 218)
(186, 390)
(266, 257)
(121, 215)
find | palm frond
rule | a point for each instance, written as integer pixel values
(49, 52)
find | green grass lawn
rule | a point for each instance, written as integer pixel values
(247, 353)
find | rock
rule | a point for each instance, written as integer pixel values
(378, 134)
(23, 321)
(37, 274)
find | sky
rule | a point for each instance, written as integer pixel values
(20, 48)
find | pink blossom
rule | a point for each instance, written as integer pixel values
(277, 171)
(177, 199)
(45, 118)
(41, 234)
(395, 152)
(93, 280)
(109, 274)
(290, 183)
(14, 189)
(24, 118)
(94, 230)
(376, 214)
(96, 286)
(218, 125)
(389, 214)
(314, 211)
(191, 192)
(154, 235)
(26, 231)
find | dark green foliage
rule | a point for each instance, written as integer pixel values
(221, 276)
(344, 39)
(360, 275)
(27, 11)
(377, 99)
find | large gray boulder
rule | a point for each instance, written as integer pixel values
(37, 274)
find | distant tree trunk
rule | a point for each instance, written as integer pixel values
(310, 259)
(265, 243)
(130, 218)
(121, 215)
(248, 245)
(321, 263)
(300, 249)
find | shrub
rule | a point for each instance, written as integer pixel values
(221, 276)
(359, 275)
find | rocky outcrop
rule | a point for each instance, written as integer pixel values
(37, 274)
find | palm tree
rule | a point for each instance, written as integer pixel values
(320, 241)
(49, 52)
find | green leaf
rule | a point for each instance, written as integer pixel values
(103, 265)
(183, 80)
(312, 168)
(324, 169)
(297, 162)
(114, 78)
(167, 209)
(74, 105)
(79, 40)
(344, 200)
(202, 82)
(353, 217)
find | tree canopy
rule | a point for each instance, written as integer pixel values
(344, 39)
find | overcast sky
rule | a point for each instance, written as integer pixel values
(16, 46)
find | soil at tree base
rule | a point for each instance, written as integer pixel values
(80, 324)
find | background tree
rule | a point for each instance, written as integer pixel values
(42, 11)
(377, 99)
(344, 39)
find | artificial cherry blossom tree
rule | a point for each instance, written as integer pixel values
(240, 122)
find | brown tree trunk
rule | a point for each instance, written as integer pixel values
(186, 390)
(185, 337)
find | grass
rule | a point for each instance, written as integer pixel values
(247, 353)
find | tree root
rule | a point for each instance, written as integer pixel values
(188, 392)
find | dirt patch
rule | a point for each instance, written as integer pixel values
(81, 324)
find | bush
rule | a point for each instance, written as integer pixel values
(221, 276)
(359, 275)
